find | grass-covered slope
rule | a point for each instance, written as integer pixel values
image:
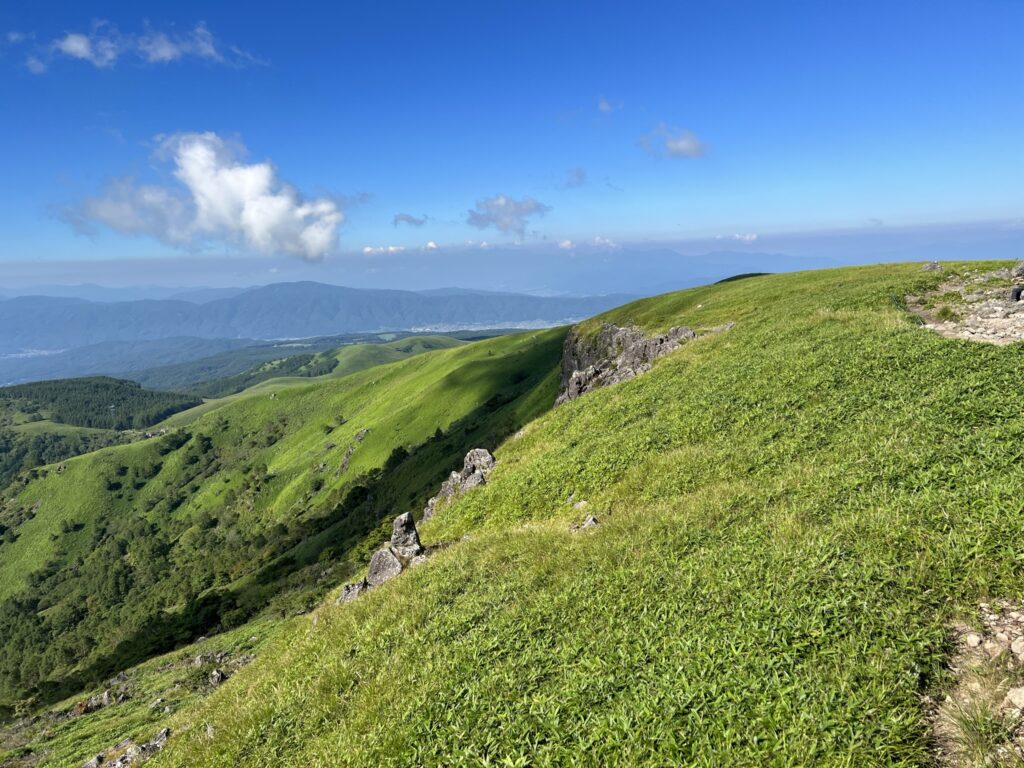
(790, 513)
(335, 362)
(267, 500)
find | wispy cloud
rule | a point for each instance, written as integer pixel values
(566, 245)
(746, 238)
(673, 142)
(606, 107)
(505, 214)
(104, 45)
(217, 198)
(575, 177)
(408, 218)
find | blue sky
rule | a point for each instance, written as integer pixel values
(203, 131)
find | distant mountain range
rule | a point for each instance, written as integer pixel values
(280, 311)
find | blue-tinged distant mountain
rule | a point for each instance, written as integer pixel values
(280, 311)
(111, 358)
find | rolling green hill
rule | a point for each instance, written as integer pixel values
(123, 553)
(790, 513)
(334, 362)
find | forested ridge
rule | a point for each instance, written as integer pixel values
(99, 402)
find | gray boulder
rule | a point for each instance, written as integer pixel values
(476, 466)
(932, 266)
(405, 540)
(1018, 271)
(384, 566)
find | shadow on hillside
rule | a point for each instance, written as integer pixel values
(328, 548)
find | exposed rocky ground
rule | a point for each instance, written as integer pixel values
(128, 752)
(984, 306)
(615, 354)
(980, 722)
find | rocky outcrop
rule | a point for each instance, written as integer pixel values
(932, 266)
(476, 466)
(977, 306)
(127, 752)
(99, 701)
(404, 551)
(615, 354)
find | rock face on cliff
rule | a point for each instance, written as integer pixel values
(615, 354)
(475, 468)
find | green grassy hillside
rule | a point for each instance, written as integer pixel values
(791, 512)
(269, 500)
(334, 362)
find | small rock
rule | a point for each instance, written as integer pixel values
(351, 591)
(931, 266)
(582, 504)
(973, 640)
(384, 566)
(1018, 271)
(993, 649)
(217, 677)
(1015, 698)
(590, 522)
(1017, 646)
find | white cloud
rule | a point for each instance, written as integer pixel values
(35, 65)
(566, 245)
(99, 49)
(603, 242)
(575, 177)
(104, 45)
(505, 214)
(408, 218)
(606, 107)
(159, 47)
(749, 237)
(377, 250)
(674, 142)
(431, 245)
(218, 199)
(14, 37)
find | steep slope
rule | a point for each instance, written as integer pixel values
(267, 500)
(790, 513)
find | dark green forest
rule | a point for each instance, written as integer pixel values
(99, 402)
